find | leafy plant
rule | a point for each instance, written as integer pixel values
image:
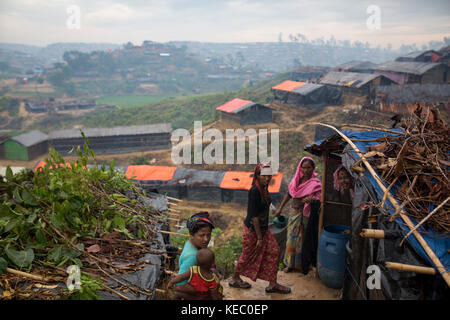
(47, 216)
(227, 254)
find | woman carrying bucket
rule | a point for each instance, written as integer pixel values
(304, 188)
(260, 251)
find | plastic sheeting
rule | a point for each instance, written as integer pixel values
(147, 278)
(314, 96)
(362, 253)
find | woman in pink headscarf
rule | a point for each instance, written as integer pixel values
(343, 182)
(303, 189)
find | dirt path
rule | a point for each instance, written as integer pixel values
(303, 287)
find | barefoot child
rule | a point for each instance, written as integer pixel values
(202, 284)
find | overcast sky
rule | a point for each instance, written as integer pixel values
(41, 22)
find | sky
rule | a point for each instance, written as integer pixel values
(41, 22)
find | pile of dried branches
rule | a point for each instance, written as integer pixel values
(66, 215)
(418, 162)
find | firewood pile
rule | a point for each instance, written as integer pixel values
(418, 164)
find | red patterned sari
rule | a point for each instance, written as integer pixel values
(258, 264)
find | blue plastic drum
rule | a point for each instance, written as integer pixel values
(331, 255)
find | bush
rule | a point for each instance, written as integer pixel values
(227, 255)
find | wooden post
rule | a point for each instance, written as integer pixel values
(445, 275)
(322, 207)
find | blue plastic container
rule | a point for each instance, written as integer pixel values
(331, 255)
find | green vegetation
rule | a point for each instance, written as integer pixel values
(126, 101)
(49, 216)
(227, 254)
(11, 105)
(180, 111)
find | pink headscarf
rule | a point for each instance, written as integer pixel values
(310, 188)
(339, 187)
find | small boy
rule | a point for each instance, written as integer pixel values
(203, 284)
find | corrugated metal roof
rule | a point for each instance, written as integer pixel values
(236, 105)
(348, 79)
(412, 67)
(415, 54)
(30, 138)
(108, 132)
(416, 93)
(356, 64)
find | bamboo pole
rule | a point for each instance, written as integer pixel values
(409, 268)
(27, 275)
(425, 219)
(445, 275)
(338, 203)
(174, 233)
(372, 128)
(372, 233)
(174, 199)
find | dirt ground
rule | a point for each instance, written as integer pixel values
(229, 218)
(303, 287)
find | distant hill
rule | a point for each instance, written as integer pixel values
(54, 52)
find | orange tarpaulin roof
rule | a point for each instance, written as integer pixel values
(42, 164)
(239, 180)
(145, 172)
(289, 85)
(232, 105)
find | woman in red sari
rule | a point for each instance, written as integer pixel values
(260, 251)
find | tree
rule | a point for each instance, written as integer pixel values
(77, 60)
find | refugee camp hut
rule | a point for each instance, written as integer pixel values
(355, 66)
(153, 178)
(420, 56)
(308, 73)
(402, 99)
(198, 185)
(36, 107)
(362, 252)
(314, 96)
(355, 85)
(114, 140)
(245, 112)
(26, 146)
(282, 91)
(235, 186)
(409, 72)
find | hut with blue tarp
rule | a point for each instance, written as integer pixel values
(364, 213)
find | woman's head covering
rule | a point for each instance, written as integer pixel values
(264, 167)
(339, 187)
(197, 219)
(295, 182)
(310, 188)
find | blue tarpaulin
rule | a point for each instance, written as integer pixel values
(438, 242)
